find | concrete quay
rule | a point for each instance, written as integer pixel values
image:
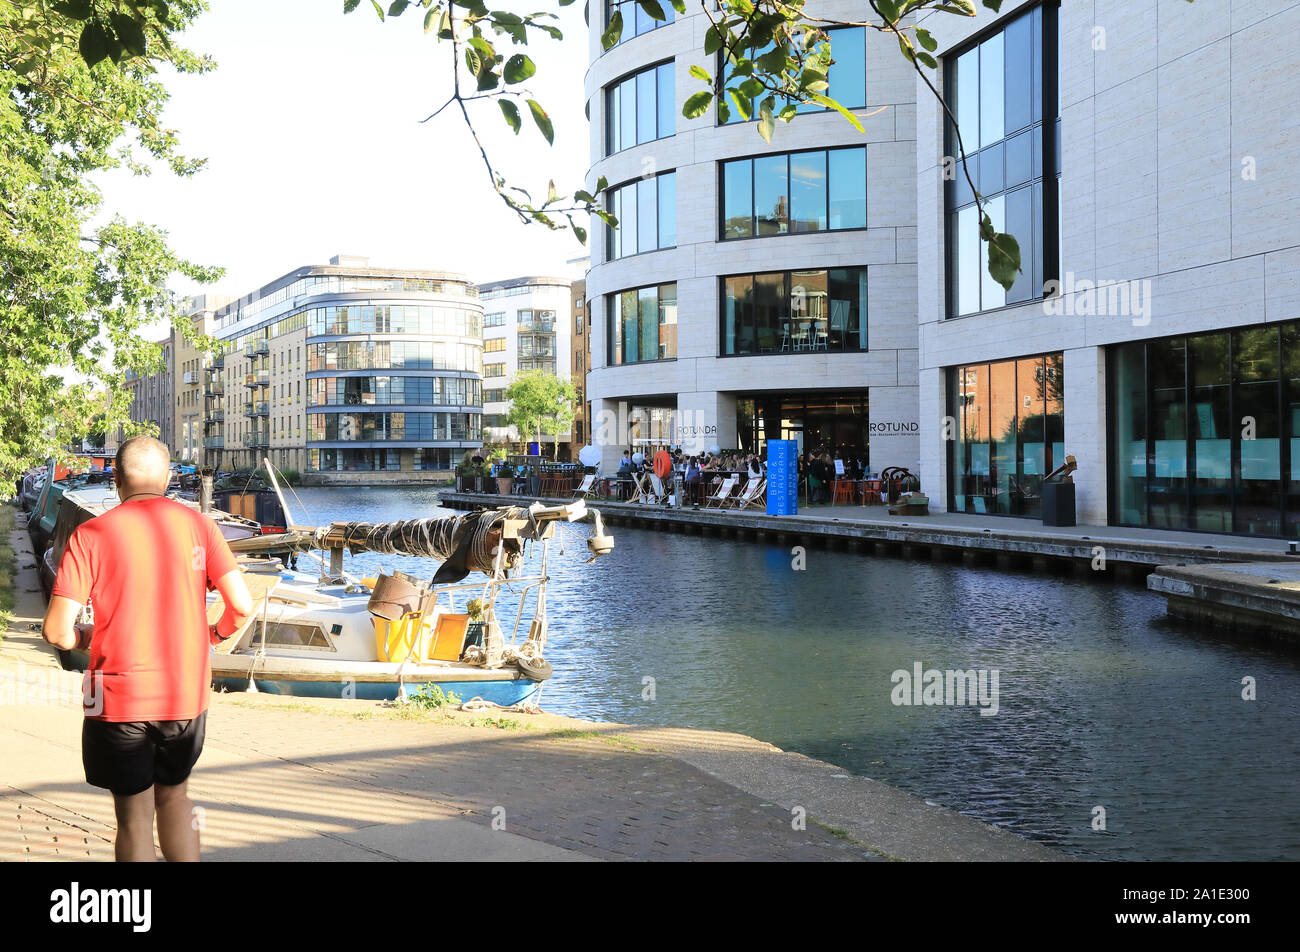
(314, 780)
(1119, 551)
(1252, 598)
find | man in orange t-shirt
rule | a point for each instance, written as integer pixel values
(146, 566)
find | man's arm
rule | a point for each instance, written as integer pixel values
(60, 623)
(238, 602)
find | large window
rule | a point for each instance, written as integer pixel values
(640, 108)
(1003, 93)
(392, 319)
(825, 190)
(847, 76)
(647, 216)
(635, 20)
(1205, 431)
(794, 311)
(642, 324)
(384, 355)
(361, 391)
(371, 427)
(1010, 420)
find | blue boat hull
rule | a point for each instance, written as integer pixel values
(504, 693)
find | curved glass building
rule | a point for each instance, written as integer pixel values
(346, 369)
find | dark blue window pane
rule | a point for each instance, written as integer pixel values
(771, 195)
(1038, 151)
(1020, 215)
(847, 176)
(1018, 71)
(647, 212)
(991, 178)
(737, 199)
(667, 101)
(848, 74)
(627, 114)
(667, 208)
(962, 195)
(644, 22)
(645, 107)
(808, 191)
(1020, 159)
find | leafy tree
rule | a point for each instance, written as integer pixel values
(541, 403)
(79, 82)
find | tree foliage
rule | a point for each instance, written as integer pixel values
(80, 93)
(541, 403)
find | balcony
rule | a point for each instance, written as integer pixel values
(215, 387)
(257, 409)
(219, 362)
(214, 443)
(217, 416)
(258, 378)
(259, 348)
(190, 377)
(257, 441)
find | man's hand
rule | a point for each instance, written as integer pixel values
(239, 603)
(60, 623)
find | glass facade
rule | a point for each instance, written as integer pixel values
(642, 324)
(824, 190)
(397, 354)
(1003, 93)
(1010, 433)
(647, 216)
(393, 319)
(1205, 431)
(640, 108)
(793, 311)
(426, 391)
(847, 77)
(635, 20)
(373, 427)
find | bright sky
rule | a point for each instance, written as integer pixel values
(311, 127)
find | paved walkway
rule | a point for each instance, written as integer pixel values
(286, 779)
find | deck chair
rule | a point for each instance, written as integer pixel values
(587, 488)
(723, 493)
(641, 489)
(657, 489)
(752, 496)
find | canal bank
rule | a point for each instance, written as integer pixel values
(976, 540)
(318, 780)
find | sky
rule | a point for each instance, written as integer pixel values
(311, 127)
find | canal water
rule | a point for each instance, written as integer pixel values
(1103, 703)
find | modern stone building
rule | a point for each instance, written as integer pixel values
(151, 395)
(527, 325)
(1143, 155)
(754, 290)
(349, 373)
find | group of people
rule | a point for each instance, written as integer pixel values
(699, 472)
(818, 468)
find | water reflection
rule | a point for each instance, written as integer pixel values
(1102, 701)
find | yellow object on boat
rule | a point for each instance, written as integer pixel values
(407, 638)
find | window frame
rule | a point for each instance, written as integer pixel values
(753, 212)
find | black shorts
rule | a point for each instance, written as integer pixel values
(129, 757)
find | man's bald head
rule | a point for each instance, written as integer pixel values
(143, 465)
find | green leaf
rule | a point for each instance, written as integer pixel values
(602, 183)
(834, 104)
(511, 112)
(678, 5)
(518, 68)
(378, 8)
(130, 32)
(712, 41)
(927, 59)
(788, 112)
(614, 32)
(888, 9)
(543, 120)
(724, 112)
(697, 104)
(76, 9)
(965, 8)
(350, 5)
(744, 108)
(699, 73)
(766, 121)
(431, 18)
(652, 9)
(1004, 260)
(929, 42)
(398, 7)
(93, 43)
(487, 79)
(994, 5)
(578, 231)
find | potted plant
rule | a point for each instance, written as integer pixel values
(477, 626)
(505, 478)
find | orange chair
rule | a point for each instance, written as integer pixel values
(843, 489)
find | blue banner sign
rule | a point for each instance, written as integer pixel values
(782, 477)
